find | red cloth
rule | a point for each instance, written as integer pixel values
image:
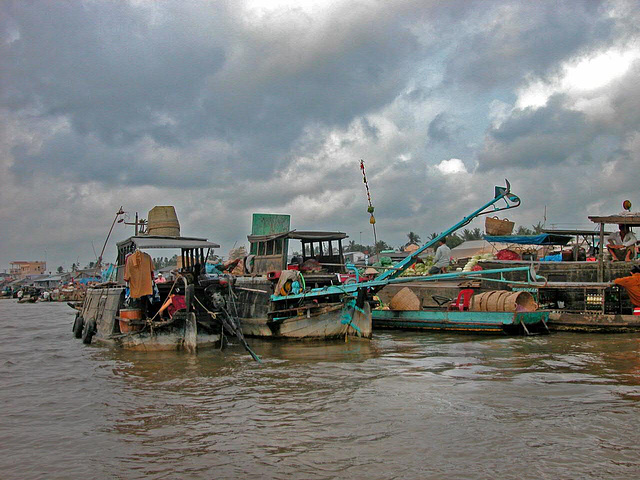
(507, 254)
(177, 303)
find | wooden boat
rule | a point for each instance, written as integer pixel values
(493, 311)
(200, 302)
(324, 321)
(321, 308)
(463, 321)
(333, 308)
(579, 295)
(593, 322)
(28, 299)
(101, 315)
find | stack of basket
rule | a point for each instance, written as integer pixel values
(163, 221)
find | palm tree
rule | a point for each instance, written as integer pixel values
(382, 245)
(413, 238)
(537, 228)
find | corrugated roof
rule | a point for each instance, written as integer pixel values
(620, 219)
(315, 236)
(153, 241)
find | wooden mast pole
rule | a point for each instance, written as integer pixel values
(601, 255)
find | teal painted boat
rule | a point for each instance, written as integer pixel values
(511, 323)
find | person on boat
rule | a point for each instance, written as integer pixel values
(631, 284)
(622, 244)
(161, 278)
(442, 258)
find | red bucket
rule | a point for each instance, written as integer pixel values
(126, 316)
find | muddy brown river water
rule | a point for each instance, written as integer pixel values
(402, 406)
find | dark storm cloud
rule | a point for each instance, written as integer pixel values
(547, 135)
(222, 113)
(558, 132)
(83, 158)
(442, 129)
(177, 74)
(525, 38)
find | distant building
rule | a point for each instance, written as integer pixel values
(411, 247)
(22, 269)
(48, 282)
(354, 257)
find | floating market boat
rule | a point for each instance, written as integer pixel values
(490, 312)
(579, 296)
(330, 309)
(189, 313)
(304, 298)
(464, 314)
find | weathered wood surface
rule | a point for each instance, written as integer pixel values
(593, 322)
(457, 321)
(325, 322)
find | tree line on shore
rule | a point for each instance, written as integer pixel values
(453, 240)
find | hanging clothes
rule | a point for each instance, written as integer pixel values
(138, 271)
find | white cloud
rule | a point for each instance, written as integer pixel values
(451, 167)
(579, 77)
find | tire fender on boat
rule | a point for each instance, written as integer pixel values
(78, 325)
(88, 331)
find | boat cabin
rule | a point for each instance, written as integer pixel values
(270, 252)
(193, 256)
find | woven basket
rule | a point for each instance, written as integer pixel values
(495, 226)
(503, 301)
(405, 300)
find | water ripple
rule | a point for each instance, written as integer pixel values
(404, 405)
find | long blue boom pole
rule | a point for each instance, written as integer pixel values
(376, 283)
(501, 193)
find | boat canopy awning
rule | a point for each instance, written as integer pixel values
(305, 236)
(574, 232)
(632, 219)
(542, 239)
(152, 241)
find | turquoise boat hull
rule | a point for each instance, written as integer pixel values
(466, 321)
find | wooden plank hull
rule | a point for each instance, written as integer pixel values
(158, 342)
(593, 322)
(332, 321)
(101, 306)
(457, 321)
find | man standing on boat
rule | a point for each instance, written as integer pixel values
(442, 258)
(631, 284)
(622, 244)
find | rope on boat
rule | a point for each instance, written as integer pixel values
(228, 322)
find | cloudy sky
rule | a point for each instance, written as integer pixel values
(225, 108)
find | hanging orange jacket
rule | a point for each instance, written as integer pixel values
(632, 285)
(138, 271)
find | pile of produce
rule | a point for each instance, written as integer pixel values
(418, 268)
(472, 264)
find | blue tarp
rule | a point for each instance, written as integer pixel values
(542, 239)
(87, 280)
